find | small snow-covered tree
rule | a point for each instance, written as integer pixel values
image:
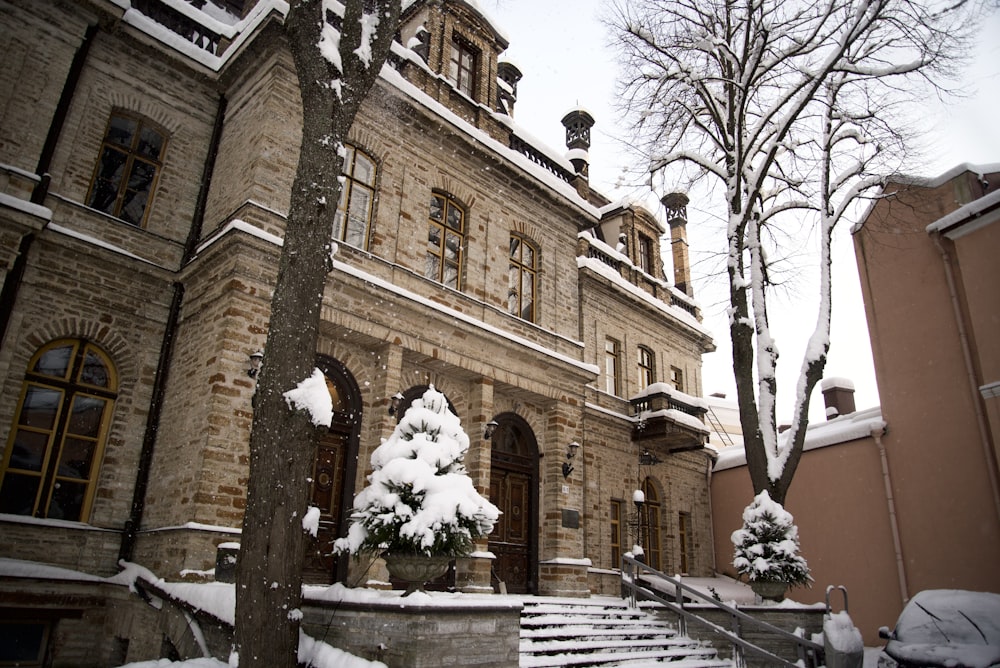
(767, 547)
(336, 66)
(419, 499)
(793, 109)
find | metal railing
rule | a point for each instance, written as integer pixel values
(810, 654)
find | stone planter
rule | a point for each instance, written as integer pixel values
(769, 591)
(416, 569)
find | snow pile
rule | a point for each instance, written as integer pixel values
(767, 547)
(419, 498)
(312, 396)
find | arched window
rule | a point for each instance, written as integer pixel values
(647, 367)
(522, 277)
(127, 168)
(650, 525)
(445, 241)
(354, 211)
(54, 450)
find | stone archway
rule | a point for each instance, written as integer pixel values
(334, 472)
(514, 490)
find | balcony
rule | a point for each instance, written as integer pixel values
(668, 419)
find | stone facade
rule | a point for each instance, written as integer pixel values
(179, 302)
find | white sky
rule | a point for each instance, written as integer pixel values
(562, 49)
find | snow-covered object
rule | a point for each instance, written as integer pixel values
(310, 521)
(313, 396)
(419, 498)
(767, 547)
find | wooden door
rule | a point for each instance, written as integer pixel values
(510, 541)
(327, 495)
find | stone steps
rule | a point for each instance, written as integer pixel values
(604, 631)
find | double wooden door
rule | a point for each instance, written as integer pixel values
(512, 540)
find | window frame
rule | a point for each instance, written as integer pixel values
(519, 269)
(445, 230)
(645, 253)
(617, 524)
(350, 184)
(685, 542)
(677, 378)
(60, 440)
(132, 154)
(612, 366)
(646, 364)
(463, 75)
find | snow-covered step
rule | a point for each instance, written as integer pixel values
(604, 631)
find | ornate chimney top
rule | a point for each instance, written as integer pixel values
(677, 217)
(578, 123)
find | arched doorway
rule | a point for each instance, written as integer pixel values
(334, 471)
(514, 490)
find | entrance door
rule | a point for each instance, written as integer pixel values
(513, 490)
(327, 495)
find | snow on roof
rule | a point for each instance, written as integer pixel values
(834, 381)
(941, 179)
(671, 391)
(846, 428)
(970, 212)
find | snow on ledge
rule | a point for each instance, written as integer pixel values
(852, 427)
(36, 210)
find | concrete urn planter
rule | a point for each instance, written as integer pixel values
(416, 569)
(768, 590)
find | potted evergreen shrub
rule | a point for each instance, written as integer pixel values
(767, 549)
(420, 509)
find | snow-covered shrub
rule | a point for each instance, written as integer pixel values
(419, 498)
(767, 547)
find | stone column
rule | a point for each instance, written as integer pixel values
(472, 575)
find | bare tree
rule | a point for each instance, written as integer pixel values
(337, 58)
(791, 108)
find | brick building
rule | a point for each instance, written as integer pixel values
(147, 151)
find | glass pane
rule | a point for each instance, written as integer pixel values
(111, 166)
(41, 405)
(437, 208)
(453, 244)
(364, 170)
(94, 371)
(338, 225)
(528, 258)
(21, 643)
(357, 225)
(434, 238)
(67, 500)
(455, 218)
(336, 398)
(134, 206)
(121, 130)
(515, 246)
(77, 455)
(450, 275)
(28, 450)
(54, 362)
(150, 143)
(433, 268)
(85, 419)
(18, 492)
(527, 297)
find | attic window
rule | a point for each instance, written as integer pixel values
(462, 67)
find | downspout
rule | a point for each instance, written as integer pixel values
(12, 283)
(977, 406)
(198, 220)
(127, 548)
(897, 544)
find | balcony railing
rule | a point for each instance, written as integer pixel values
(179, 23)
(539, 158)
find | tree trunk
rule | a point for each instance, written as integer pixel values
(283, 442)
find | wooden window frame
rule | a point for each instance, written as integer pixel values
(647, 367)
(133, 157)
(677, 378)
(60, 441)
(612, 366)
(646, 258)
(352, 186)
(463, 62)
(438, 249)
(520, 270)
(685, 542)
(617, 525)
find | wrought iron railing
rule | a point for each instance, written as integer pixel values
(810, 654)
(178, 23)
(539, 158)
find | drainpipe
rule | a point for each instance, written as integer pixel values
(12, 283)
(127, 548)
(198, 219)
(897, 544)
(970, 369)
(59, 117)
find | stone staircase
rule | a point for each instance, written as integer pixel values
(604, 631)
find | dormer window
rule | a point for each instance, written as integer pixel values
(462, 67)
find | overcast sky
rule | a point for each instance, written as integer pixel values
(563, 51)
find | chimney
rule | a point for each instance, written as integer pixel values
(578, 123)
(838, 395)
(509, 75)
(676, 206)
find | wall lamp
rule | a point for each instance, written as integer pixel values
(396, 400)
(571, 449)
(256, 359)
(491, 427)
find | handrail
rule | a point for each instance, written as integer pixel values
(810, 653)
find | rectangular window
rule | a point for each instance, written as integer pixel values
(677, 378)
(23, 642)
(684, 541)
(646, 374)
(127, 168)
(462, 67)
(612, 376)
(616, 533)
(646, 260)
